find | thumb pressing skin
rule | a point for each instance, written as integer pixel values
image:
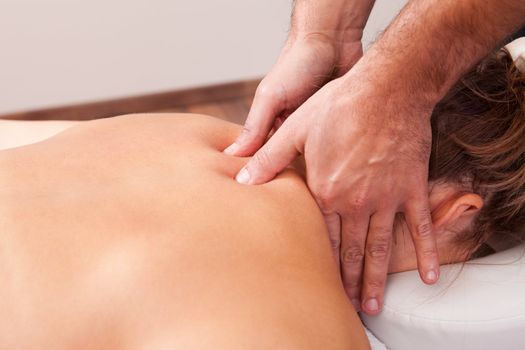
(257, 126)
(280, 150)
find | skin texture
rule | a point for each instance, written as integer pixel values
(131, 233)
(366, 135)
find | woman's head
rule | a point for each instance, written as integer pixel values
(477, 163)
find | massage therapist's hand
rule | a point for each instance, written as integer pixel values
(307, 62)
(366, 154)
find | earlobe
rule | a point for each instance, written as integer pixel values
(464, 205)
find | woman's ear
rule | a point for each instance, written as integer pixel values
(459, 209)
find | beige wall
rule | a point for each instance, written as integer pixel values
(56, 52)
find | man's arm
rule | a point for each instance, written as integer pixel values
(324, 43)
(331, 15)
(340, 22)
(433, 42)
(366, 137)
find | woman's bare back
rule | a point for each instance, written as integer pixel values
(130, 233)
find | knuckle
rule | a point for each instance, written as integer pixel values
(359, 203)
(267, 92)
(326, 195)
(429, 253)
(353, 255)
(249, 131)
(262, 157)
(382, 231)
(353, 285)
(335, 243)
(424, 229)
(378, 249)
(375, 284)
(327, 191)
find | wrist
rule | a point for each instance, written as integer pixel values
(339, 20)
(335, 38)
(395, 81)
(387, 94)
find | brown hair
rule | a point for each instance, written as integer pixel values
(478, 141)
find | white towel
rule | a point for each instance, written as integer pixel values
(375, 343)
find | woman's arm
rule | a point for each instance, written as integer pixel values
(15, 133)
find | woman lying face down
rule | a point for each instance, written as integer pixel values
(131, 233)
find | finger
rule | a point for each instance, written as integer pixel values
(278, 122)
(377, 257)
(333, 225)
(419, 221)
(265, 107)
(352, 256)
(272, 158)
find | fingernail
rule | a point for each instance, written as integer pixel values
(431, 276)
(243, 176)
(372, 305)
(231, 149)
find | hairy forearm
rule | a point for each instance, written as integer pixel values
(335, 19)
(433, 42)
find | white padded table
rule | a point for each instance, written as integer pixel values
(478, 307)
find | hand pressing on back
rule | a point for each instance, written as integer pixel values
(366, 160)
(307, 62)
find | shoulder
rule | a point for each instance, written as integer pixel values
(182, 125)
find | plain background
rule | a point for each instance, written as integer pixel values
(60, 52)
